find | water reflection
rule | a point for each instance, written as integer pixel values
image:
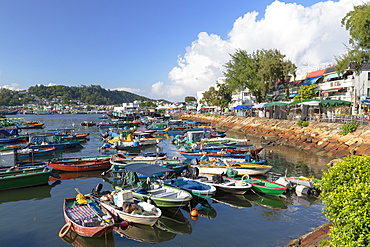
(173, 220)
(143, 233)
(76, 240)
(204, 209)
(233, 200)
(24, 194)
(266, 201)
(76, 175)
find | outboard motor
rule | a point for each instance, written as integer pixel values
(96, 191)
(193, 172)
(217, 179)
(105, 135)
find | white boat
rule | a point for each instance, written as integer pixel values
(233, 187)
(122, 205)
(208, 167)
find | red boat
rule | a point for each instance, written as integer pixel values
(81, 164)
(88, 220)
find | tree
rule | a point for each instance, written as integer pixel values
(220, 97)
(189, 99)
(357, 22)
(274, 67)
(307, 92)
(346, 190)
(258, 71)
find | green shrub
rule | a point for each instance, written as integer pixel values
(207, 115)
(346, 190)
(349, 128)
(302, 123)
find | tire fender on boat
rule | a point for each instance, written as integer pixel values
(65, 229)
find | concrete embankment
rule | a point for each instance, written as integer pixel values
(321, 138)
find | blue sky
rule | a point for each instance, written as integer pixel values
(158, 48)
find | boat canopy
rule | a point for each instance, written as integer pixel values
(146, 169)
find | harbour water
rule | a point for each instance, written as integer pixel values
(34, 216)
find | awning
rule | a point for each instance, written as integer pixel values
(146, 169)
(276, 103)
(259, 106)
(292, 95)
(317, 73)
(311, 80)
(332, 90)
(331, 76)
(238, 107)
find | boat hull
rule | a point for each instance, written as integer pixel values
(255, 170)
(80, 165)
(148, 220)
(21, 179)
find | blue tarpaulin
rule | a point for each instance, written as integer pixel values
(238, 107)
(311, 81)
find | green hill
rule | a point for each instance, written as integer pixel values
(92, 95)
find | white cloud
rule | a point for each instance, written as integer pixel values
(131, 90)
(307, 35)
(12, 86)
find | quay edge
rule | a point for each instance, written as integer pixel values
(321, 138)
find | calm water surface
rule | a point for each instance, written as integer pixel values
(34, 216)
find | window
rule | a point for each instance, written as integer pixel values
(368, 76)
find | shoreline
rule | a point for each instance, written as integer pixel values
(287, 134)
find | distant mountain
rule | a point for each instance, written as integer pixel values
(93, 94)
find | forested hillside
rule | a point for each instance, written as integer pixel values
(93, 95)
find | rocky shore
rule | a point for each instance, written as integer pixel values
(321, 138)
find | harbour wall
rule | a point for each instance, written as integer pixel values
(321, 138)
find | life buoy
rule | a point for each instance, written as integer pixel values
(65, 229)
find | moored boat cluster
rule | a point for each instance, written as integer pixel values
(146, 185)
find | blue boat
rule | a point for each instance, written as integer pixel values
(50, 141)
(6, 137)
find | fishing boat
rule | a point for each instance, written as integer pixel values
(123, 206)
(121, 158)
(222, 154)
(160, 194)
(176, 166)
(20, 177)
(260, 185)
(232, 187)
(51, 140)
(86, 218)
(219, 167)
(196, 188)
(34, 152)
(6, 137)
(88, 123)
(87, 163)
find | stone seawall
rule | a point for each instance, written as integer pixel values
(321, 138)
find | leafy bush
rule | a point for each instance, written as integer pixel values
(349, 128)
(302, 123)
(346, 188)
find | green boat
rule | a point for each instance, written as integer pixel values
(157, 193)
(20, 177)
(261, 185)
